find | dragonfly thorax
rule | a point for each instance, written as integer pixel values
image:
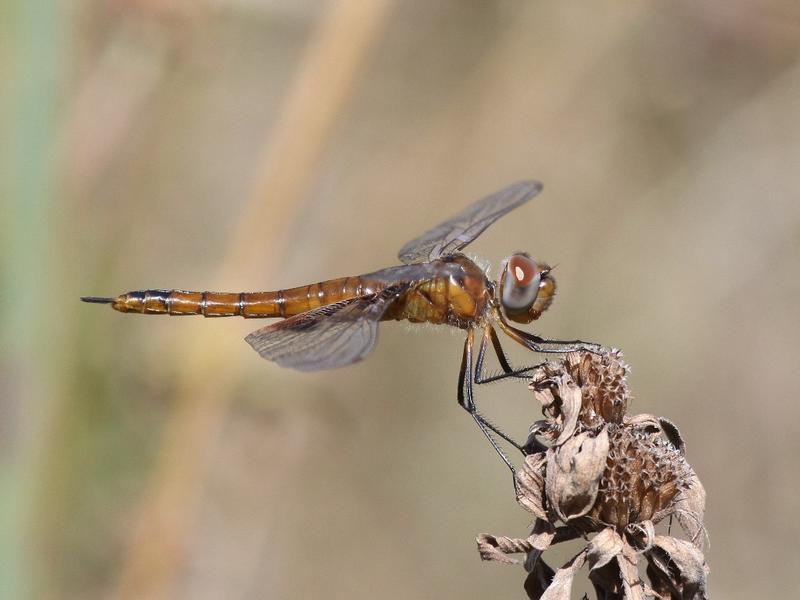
(457, 293)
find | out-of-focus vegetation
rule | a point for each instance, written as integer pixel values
(256, 144)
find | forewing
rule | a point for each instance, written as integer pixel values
(454, 234)
(327, 337)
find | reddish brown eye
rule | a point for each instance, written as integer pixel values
(521, 284)
(522, 268)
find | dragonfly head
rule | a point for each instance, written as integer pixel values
(526, 288)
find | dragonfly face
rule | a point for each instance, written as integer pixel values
(526, 288)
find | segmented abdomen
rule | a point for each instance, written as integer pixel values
(279, 303)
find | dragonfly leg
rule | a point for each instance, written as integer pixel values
(543, 345)
(476, 379)
(467, 401)
(508, 370)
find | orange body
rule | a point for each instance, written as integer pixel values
(455, 293)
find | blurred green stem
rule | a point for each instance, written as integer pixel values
(31, 36)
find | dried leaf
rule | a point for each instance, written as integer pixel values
(530, 485)
(570, 395)
(573, 474)
(641, 535)
(496, 548)
(607, 581)
(656, 426)
(560, 587)
(542, 387)
(690, 506)
(542, 535)
(559, 396)
(677, 569)
(673, 434)
(645, 422)
(492, 548)
(632, 585)
(532, 444)
(603, 548)
(538, 579)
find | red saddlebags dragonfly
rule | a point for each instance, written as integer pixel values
(335, 322)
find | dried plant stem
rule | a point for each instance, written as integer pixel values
(335, 54)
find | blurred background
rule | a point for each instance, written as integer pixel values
(257, 144)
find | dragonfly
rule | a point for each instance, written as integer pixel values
(334, 323)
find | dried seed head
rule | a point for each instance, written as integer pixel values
(603, 391)
(637, 474)
(601, 378)
(644, 474)
(607, 475)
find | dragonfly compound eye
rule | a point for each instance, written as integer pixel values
(526, 288)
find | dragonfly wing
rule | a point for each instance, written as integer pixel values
(454, 234)
(327, 337)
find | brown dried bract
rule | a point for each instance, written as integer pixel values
(610, 477)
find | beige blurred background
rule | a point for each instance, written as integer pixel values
(256, 144)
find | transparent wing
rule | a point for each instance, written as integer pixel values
(454, 234)
(327, 337)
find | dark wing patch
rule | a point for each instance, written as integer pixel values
(327, 337)
(454, 234)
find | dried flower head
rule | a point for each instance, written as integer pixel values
(604, 474)
(583, 391)
(643, 476)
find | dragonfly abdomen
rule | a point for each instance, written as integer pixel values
(180, 302)
(278, 303)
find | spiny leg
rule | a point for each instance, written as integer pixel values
(498, 349)
(467, 378)
(543, 345)
(475, 379)
(480, 378)
(508, 370)
(467, 402)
